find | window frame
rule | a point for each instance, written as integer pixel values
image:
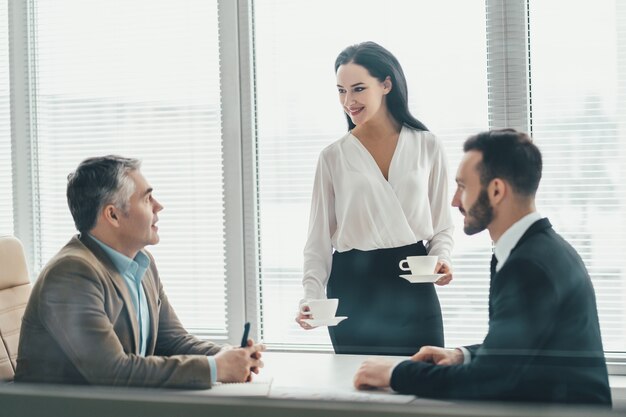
(23, 127)
(509, 98)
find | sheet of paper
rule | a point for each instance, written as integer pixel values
(259, 387)
(303, 393)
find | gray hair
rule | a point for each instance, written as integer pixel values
(97, 182)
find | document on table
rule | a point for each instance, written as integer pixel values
(259, 387)
(303, 393)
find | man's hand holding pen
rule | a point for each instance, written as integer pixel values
(238, 364)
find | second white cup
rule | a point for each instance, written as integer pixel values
(419, 265)
(321, 309)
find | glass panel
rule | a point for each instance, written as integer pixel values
(443, 55)
(139, 79)
(578, 76)
(6, 186)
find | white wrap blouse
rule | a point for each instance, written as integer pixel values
(355, 207)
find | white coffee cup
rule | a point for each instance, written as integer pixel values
(419, 265)
(320, 309)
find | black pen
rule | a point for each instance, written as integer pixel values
(246, 330)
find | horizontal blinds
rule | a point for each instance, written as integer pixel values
(298, 114)
(507, 64)
(6, 187)
(578, 77)
(140, 79)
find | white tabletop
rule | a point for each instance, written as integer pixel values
(323, 376)
(313, 370)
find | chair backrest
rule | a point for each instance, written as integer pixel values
(15, 289)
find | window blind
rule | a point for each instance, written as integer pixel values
(140, 79)
(6, 186)
(298, 113)
(507, 64)
(578, 77)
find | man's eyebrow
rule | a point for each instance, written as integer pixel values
(148, 191)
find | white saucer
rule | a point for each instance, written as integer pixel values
(421, 279)
(325, 322)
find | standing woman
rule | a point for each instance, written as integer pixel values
(380, 192)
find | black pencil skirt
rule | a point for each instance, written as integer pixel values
(387, 315)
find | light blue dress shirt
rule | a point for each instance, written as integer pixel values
(133, 271)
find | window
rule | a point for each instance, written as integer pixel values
(578, 79)
(139, 79)
(142, 79)
(6, 186)
(298, 114)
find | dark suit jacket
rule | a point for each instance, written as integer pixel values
(543, 343)
(80, 327)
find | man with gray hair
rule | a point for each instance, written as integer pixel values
(98, 313)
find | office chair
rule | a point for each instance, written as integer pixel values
(15, 289)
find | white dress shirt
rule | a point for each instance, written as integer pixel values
(355, 207)
(511, 236)
(503, 249)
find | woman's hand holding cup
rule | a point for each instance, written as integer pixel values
(304, 314)
(321, 309)
(443, 268)
(427, 265)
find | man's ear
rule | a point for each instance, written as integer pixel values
(111, 215)
(497, 191)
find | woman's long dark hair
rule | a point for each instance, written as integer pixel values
(381, 63)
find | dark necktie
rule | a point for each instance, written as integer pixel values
(494, 263)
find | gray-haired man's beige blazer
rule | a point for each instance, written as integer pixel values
(80, 327)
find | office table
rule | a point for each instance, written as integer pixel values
(311, 376)
(300, 384)
(313, 370)
(322, 376)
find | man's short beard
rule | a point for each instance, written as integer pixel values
(480, 215)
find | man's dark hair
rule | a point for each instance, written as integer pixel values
(97, 182)
(509, 155)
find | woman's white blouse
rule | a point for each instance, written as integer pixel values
(355, 207)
